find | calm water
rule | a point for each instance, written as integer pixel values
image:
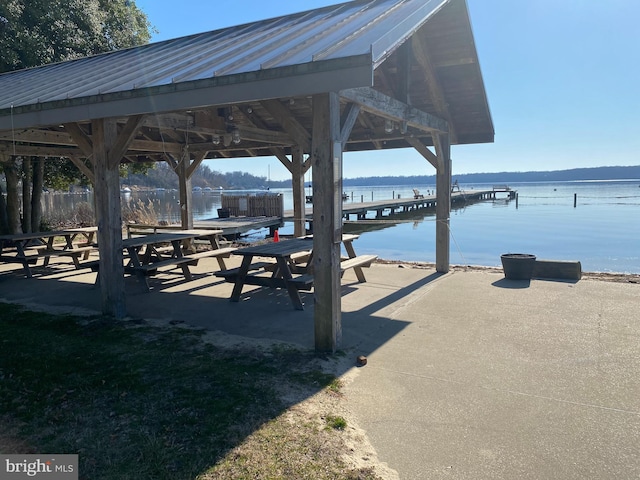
(602, 231)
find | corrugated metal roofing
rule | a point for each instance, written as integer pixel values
(367, 27)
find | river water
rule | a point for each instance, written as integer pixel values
(602, 231)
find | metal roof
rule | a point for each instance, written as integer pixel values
(370, 28)
(328, 49)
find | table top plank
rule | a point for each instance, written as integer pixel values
(168, 237)
(280, 249)
(19, 237)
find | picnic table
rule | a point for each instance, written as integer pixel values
(357, 262)
(282, 276)
(27, 248)
(288, 270)
(148, 253)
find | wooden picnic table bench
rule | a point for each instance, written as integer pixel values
(291, 268)
(27, 248)
(357, 262)
(148, 254)
(281, 277)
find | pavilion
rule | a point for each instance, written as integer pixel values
(305, 88)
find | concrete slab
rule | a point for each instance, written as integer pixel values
(492, 381)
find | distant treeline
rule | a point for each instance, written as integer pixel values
(597, 173)
(162, 176)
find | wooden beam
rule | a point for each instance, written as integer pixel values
(423, 150)
(421, 54)
(172, 162)
(155, 147)
(84, 141)
(198, 158)
(84, 169)
(297, 183)
(443, 202)
(403, 82)
(108, 213)
(39, 136)
(39, 151)
(172, 142)
(288, 122)
(368, 124)
(186, 194)
(264, 136)
(174, 136)
(284, 160)
(166, 121)
(327, 220)
(387, 107)
(348, 121)
(124, 139)
(308, 163)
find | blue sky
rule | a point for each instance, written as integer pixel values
(562, 78)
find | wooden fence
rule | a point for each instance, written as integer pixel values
(262, 205)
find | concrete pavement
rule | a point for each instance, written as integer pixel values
(469, 375)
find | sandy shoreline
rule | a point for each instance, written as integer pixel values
(605, 276)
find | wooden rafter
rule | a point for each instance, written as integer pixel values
(423, 150)
(382, 105)
(86, 170)
(198, 158)
(366, 122)
(124, 139)
(436, 94)
(79, 136)
(39, 136)
(7, 148)
(280, 155)
(347, 122)
(289, 123)
(403, 76)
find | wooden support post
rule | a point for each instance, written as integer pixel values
(443, 199)
(186, 194)
(108, 213)
(326, 150)
(297, 177)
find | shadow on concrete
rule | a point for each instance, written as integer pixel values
(556, 280)
(517, 284)
(512, 284)
(365, 330)
(399, 294)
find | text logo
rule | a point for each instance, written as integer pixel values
(49, 467)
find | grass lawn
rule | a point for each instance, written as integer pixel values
(142, 402)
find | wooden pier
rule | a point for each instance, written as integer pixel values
(360, 210)
(234, 226)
